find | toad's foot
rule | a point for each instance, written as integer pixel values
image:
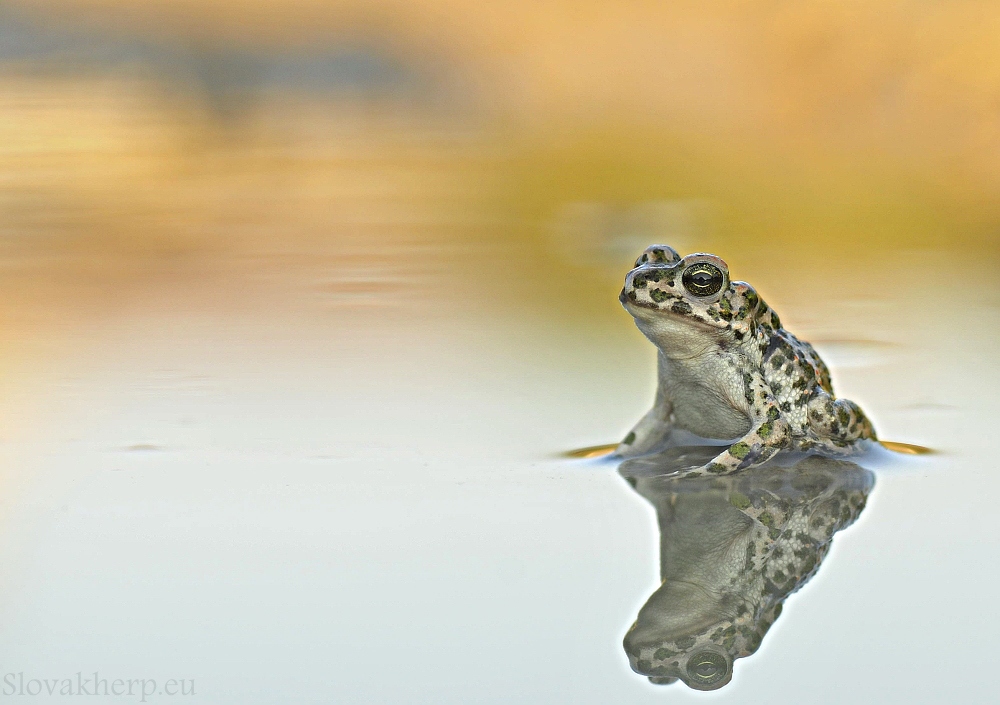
(764, 440)
(839, 422)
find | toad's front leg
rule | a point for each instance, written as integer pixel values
(651, 430)
(769, 434)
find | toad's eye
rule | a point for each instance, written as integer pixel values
(703, 279)
(707, 668)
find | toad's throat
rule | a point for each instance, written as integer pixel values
(673, 331)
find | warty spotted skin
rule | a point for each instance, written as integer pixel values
(728, 370)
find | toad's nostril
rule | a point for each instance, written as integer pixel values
(662, 680)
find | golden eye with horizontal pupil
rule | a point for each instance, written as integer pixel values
(707, 667)
(703, 279)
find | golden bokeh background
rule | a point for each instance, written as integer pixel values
(160, 145)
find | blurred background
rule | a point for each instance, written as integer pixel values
(301, 299)
(150, 142)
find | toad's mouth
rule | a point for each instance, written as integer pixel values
(648, 310)
(633, 300)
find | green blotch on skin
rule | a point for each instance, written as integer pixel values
(663, 654)
(629, 439)
(808, 565)
(685, 643)
(765, 429)
(658, 295)
(739, 500)
(739, 450)
(766, 519)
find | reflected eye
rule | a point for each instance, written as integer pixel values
(707, 667)
(703, 279)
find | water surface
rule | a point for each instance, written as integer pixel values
(364, 502)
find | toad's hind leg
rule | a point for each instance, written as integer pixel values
(839, 421)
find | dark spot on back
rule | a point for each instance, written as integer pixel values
(773, 344)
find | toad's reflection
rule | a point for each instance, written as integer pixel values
(731, 550)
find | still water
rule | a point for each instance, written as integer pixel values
(285, 493)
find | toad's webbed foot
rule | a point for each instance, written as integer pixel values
(839, 421)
